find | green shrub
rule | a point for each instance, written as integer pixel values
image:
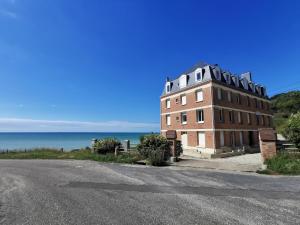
(178, 149)
(155, 148)
(285, 163)
(106, 145)
(292, 130)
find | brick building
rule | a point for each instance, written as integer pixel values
(213, 111)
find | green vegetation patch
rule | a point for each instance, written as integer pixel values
(284, 105)
(284, 163)
(83, 154)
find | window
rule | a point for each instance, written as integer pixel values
(249, 118)
(217, 73)
(262, 104)
(238, 98)
(269, 121)
(229, 96)
(219, 93)
(221, 115)
(183, 81)
(168, 119)
(222, 139)
(256, 104)
(228, 78)
(199, 96)
(183, 99)
(257, 119)
(168, 103)
(168, 87)
(239, 117)
(248, 101)
(231, 116)
(200, 116)
(199, 75)
(184, 118)
(263, 120)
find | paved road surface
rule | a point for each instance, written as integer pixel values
(77, 192)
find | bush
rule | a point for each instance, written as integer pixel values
(292, 130)
(155, 148)
(106, 145)
(285, 163)
(178, 149)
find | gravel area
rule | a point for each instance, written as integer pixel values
(253, 159)
(36, 192)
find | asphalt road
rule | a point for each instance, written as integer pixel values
(83, 192)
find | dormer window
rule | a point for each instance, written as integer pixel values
(228, 78)
(168, 87)
(183, 81)
(218, 77)
(199, 75)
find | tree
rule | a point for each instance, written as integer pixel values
(292, 131)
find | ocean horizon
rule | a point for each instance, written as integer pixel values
(66, 140)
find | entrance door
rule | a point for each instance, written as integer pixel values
(201, 139)
(250, 136)
(184, 139)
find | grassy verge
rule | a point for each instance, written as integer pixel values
(83, 154)
(288, 164)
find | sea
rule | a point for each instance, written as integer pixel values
(66, 140)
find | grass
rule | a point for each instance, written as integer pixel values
(83, 154)
(284, 163)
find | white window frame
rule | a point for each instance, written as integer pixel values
(183, 81)
(182, 114)
(168, 103)
(168, 87)
(168, 120)
(200, 117)
(183, 99)
(201, 75)
(197, 92)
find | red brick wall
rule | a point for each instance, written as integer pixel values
(211, 116)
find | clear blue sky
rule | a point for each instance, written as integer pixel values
(105, 62)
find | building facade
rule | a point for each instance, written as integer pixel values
(213, 111)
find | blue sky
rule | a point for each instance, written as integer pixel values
(101, 65)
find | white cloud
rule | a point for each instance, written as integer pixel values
(30, 125)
